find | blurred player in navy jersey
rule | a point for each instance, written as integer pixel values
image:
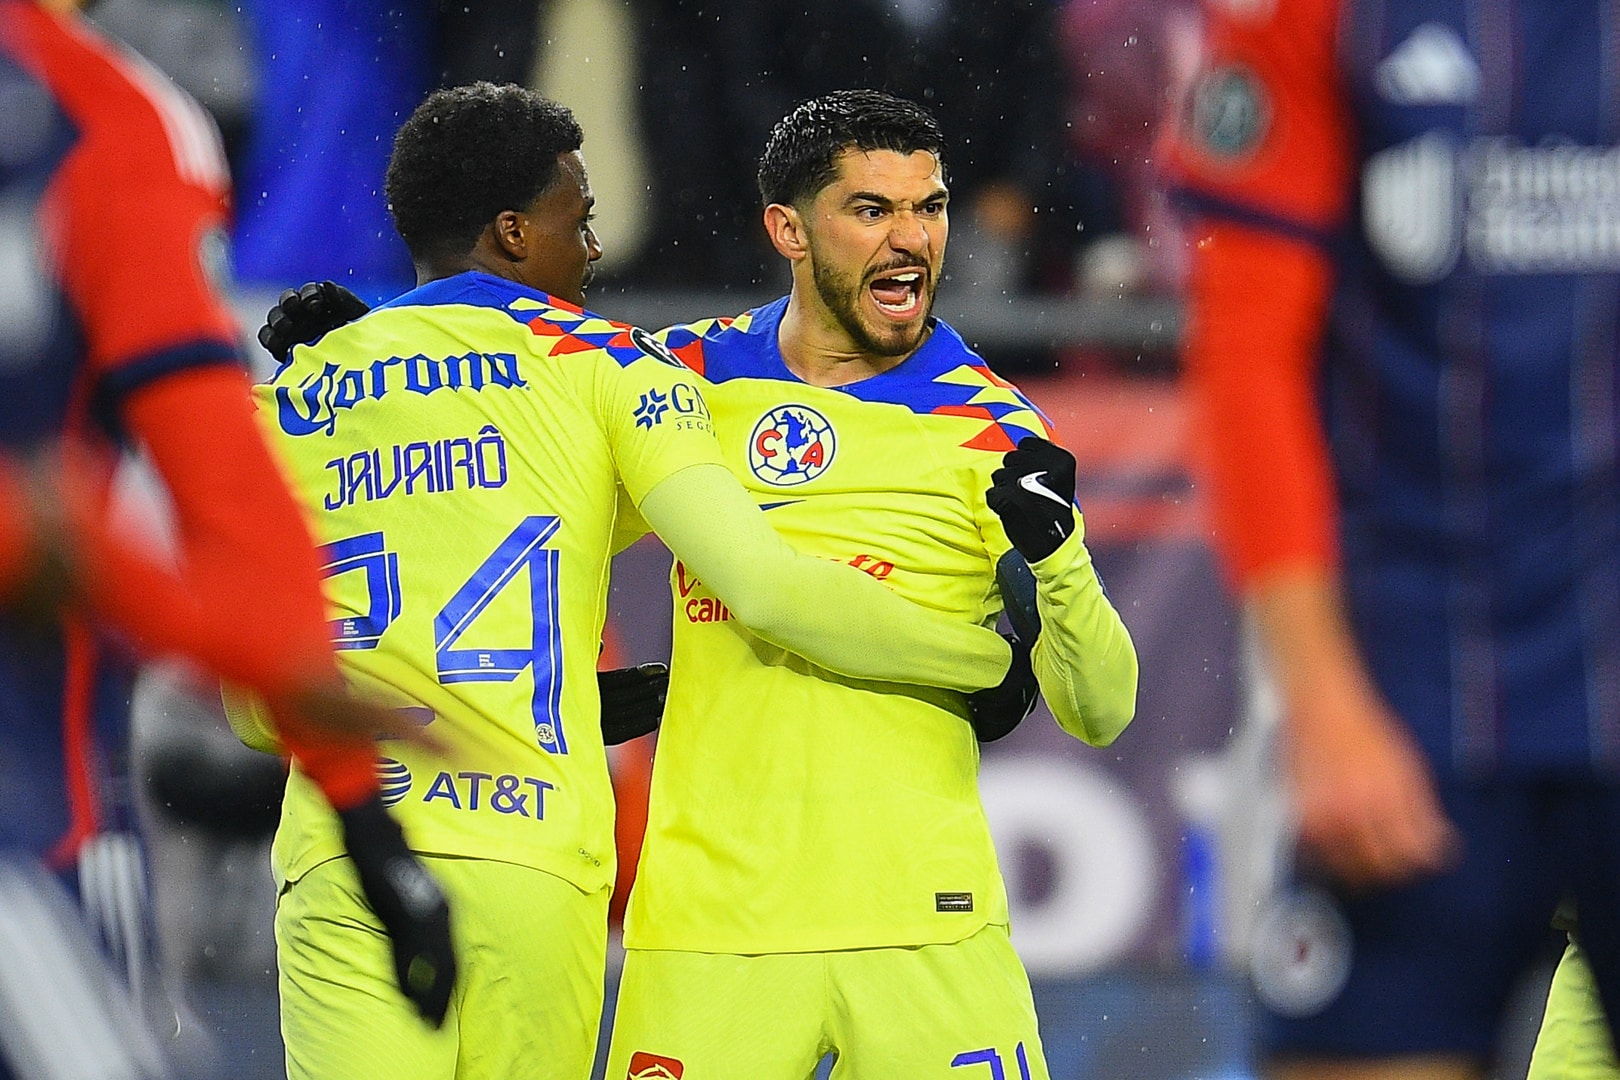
(1402, 343)
(111, 182)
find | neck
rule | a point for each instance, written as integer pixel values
(438, 267)
(816, 347)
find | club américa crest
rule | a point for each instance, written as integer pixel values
(791, 446)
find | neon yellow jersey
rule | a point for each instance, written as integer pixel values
(465, 454)
(791, 809)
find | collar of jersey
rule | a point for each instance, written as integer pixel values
(475, 288)
(753, 353)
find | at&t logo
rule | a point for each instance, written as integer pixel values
(791, 445)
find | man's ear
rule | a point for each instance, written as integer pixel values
(510, 231)
(786, 229)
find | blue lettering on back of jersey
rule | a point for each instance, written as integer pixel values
(418, 468)
(314, 404)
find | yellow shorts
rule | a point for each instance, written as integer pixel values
(1574, 1042)
(961, 1011)
(531, 950)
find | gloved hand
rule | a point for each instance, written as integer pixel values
(301, 316)
(1033, 494)
(996, 710)
(408, 902)
(632, 701)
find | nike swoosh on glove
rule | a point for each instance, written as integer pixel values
(1033, 495)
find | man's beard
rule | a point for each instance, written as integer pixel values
(842, 297)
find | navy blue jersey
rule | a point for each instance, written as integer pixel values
(1471, 216)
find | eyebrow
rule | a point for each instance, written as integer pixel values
(883, 200)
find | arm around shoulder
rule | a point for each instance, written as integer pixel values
(832, 615)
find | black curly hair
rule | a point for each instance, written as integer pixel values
(801, 155)
(466, 154)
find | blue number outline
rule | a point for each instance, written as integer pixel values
(367, 554)
(522, 548)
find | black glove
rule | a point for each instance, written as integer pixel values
(632, 701)
(1033, 494)
(996, 710)
(301, 316)
(409, 903)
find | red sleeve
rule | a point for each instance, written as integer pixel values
(1261, 130)
(1262, 157)
(1255, 306)
(133, 219)
(137, 211)
(247, 600)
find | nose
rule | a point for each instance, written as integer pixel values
(593, 246)
(907, 234)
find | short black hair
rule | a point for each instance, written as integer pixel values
(466, 154)
(801, 155)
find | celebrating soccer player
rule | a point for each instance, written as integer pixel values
(471, 454)
(818, 872)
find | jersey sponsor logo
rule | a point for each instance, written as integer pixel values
(501, 793)
(1508, 208)
(1431, 67)
(393, 781)
(1228, 112)
(313, 406)
(653, 347)
(683, 400)
(1409, 207)
(953, 901)
(698, 609)
(1302, 950)
(791, 445)
(418, 468)
(645, 1066)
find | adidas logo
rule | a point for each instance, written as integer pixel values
(1431, 67)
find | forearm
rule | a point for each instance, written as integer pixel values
(1084, 658)
(833, 615)
(1309, 647)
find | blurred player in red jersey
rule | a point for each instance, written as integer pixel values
(1401, 340)
(111, 181)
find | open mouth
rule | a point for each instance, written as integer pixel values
(899, 293)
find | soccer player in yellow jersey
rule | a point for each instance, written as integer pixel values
(817, 874)
(470, 455)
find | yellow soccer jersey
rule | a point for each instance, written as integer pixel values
(465, 454)
(791, 809)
